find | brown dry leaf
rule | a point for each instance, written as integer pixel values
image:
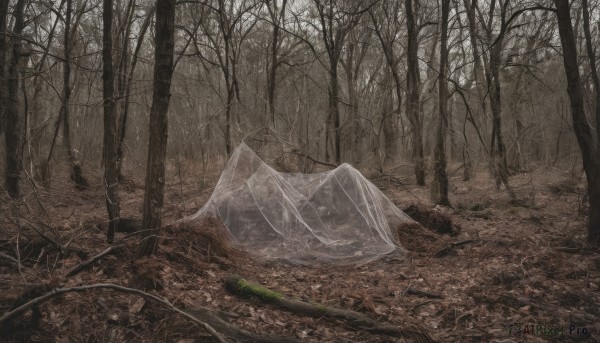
(137, 306)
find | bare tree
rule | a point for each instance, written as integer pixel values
(128, 82)
(590, 151)
(412, 88)
(277, 15)
(334, 24)
(387, 24)
(111, 179)
(157, 146)
(76, 172)
(589, 44)
(12, 134)
(3, 35)
(439, 187)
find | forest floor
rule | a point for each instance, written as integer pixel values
(524, 275)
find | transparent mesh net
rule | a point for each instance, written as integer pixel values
(336, 216)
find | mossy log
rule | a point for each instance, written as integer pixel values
(239, 286)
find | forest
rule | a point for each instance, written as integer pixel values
(299, 170)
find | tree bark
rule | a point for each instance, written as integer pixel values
(12, 134)
(3, 17)
(592, 58)
(157, 147)
(76, 172)
(439, 187)
(277, 16)
(123, 82)
(412, 85)
(589, 151)
(111, 180)
(129, 83)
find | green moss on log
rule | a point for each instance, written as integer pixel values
(239, 285)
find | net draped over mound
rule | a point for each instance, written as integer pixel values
(335, 216)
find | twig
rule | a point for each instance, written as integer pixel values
(421, 293)
(59, 291)
(10, 258)
(298, 153)
(446, 250)
(577, 251)
(78, 268)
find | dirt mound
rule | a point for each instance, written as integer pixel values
(208, 237)
(432, 219)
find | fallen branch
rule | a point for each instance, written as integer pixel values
(59, 291)
(238, 286)
(83, 265)
(446, 250)
(298, 153)
(232, 331)
(421, 293)
(577, 251)
(10, 258)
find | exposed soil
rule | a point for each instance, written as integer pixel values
(516, 266)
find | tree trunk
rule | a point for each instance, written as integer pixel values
(389, 131)
(276, 17)
(134, 59)
(76, 172)
(335, 113)
(439, 187)
(123, 83)
(12, 121)
(3, 69)
(592, 58)
(497, 148)
(412, 88)
(111, 180)
(228, 119)
(589, 151)
(157, 148)
(37, 126)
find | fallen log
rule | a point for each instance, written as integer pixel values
(240, 287)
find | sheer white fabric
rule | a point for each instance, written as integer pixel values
(336, 216)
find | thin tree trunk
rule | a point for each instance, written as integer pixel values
(592, 59)
(335, 113)
(352, 99)
(40, 166)
(412, 84)
(3, 17)
(276, 17)
(134, 60)
(228, 119)
(439, 187)
(157, 148)
(122, 85)
(111, 180)
(76, 172)
(589, 151)
(12, 134)
(388, 119)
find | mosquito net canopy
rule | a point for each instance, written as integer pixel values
(336, 216)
